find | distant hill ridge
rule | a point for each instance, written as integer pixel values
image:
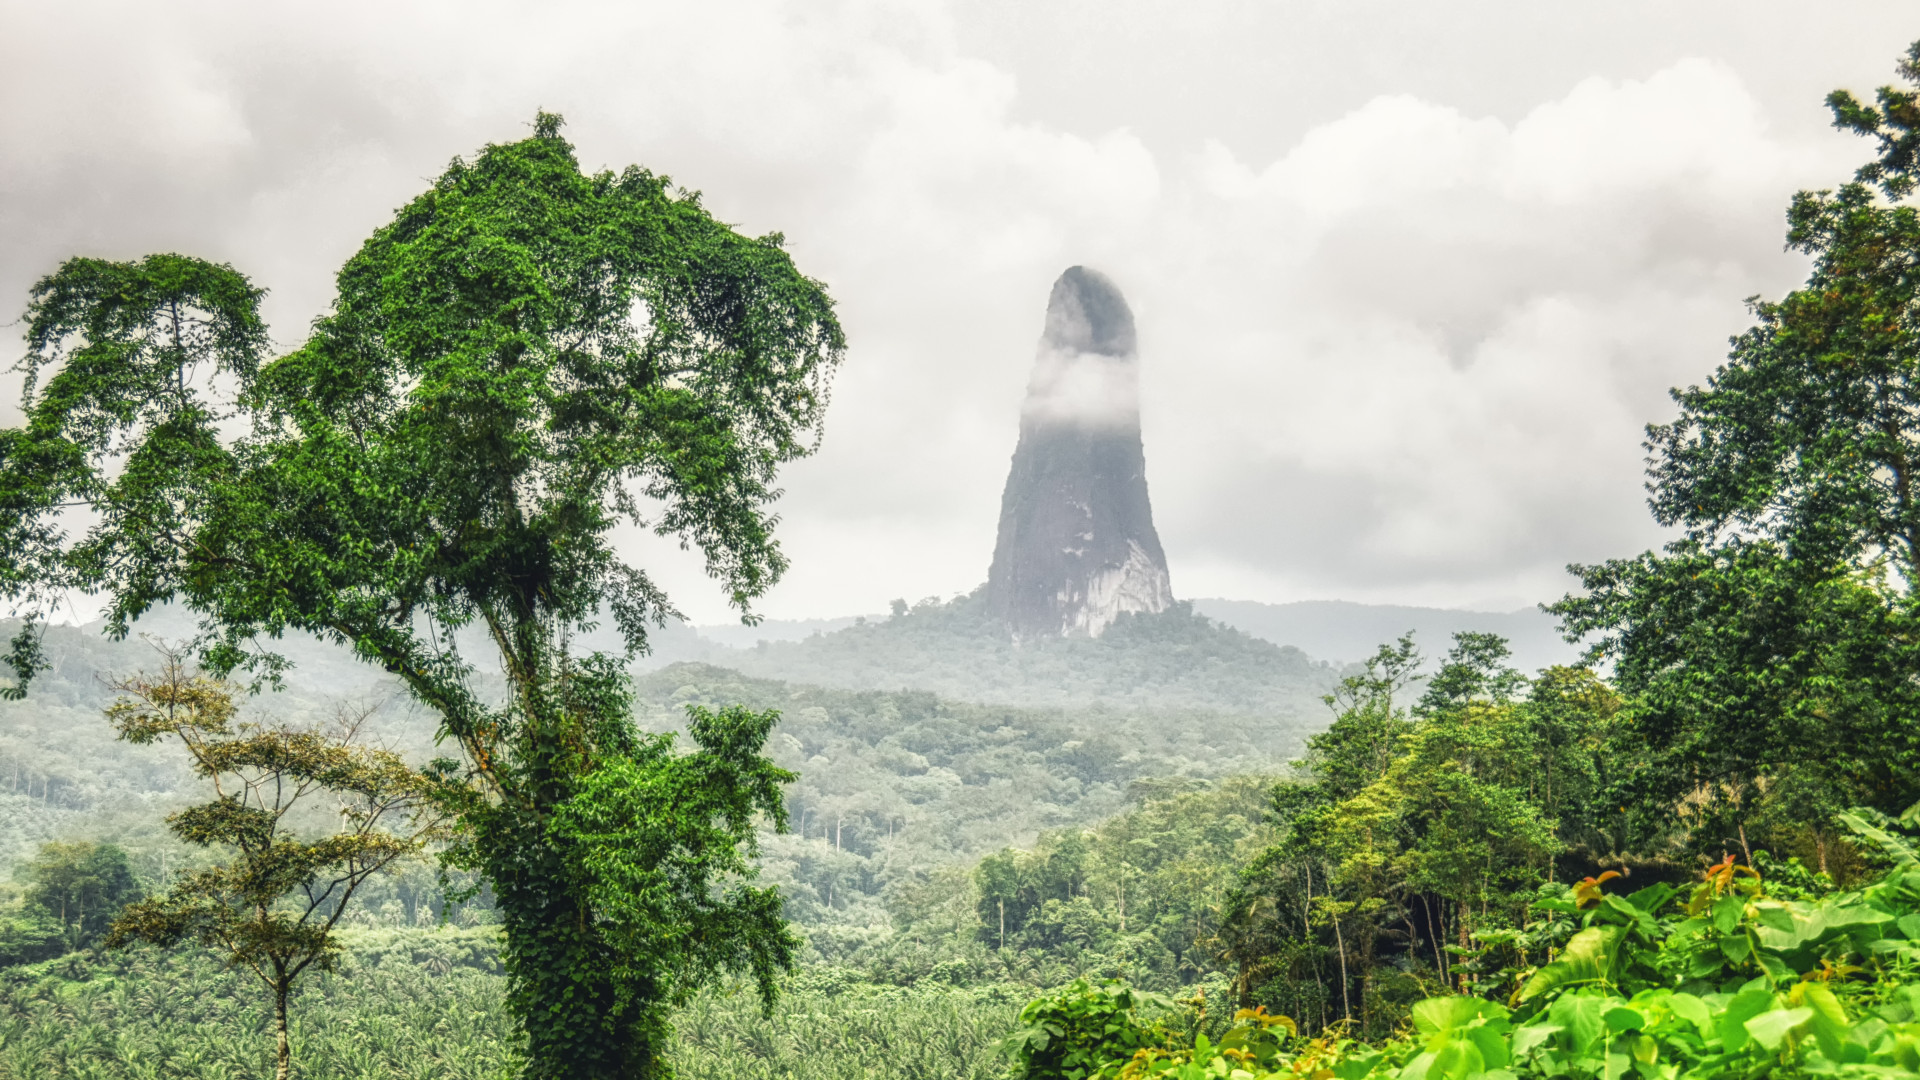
(1337, 631)
(1343, 632)
(1167, 662)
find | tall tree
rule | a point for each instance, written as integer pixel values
(81, 886)
(1776, 644)
(272, 908)
(526, 358)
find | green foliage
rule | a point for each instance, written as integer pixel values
(438, 469)
(145, 1013)
(1411, 831)
(71, 892)
(28, 935)
(526, 357)
(1256, 1043)
(898, 789)
(1137, 895)
(416, 1004)
(1074, 1033)
(655, 837)
(129, 342)
(80, 886)
(1727, 981)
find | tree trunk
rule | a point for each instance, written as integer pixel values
(283, 1047)
(1433, 936)
(1464, 933)
(1346, 1005)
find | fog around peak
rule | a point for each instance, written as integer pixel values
(1406, 287)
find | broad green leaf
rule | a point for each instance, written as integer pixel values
(1492, 1045)
(1624, 1018)
(1745, 1005)
(1588, 958)
(1644, 1049)
(1693, 1010)
(1863, 1035)
(1456, 1059)
(1580, 1015)
(1728, 911)
(1896, 847)
(1812, 924)
(1529, 1036)
(1770, 1028)
(1706, 964)
(1436, 1015)
(1356, 1068)
(1830, 1023)
(1774, 915)
(1652, 898)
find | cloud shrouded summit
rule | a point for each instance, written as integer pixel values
(1076, 546)
(1410, 281)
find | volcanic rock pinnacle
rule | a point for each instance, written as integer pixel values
(1077, 547)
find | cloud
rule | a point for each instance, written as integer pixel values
(1433, 377)
(1406, 357)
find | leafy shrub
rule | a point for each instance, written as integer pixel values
(1076, 1031)
(1725, 981)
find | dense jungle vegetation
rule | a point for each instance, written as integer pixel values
(1695, 857)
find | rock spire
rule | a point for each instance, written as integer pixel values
(1076, 546)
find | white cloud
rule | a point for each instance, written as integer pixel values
(1439, 361)
(1407, 357)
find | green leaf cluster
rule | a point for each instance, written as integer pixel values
(1074, 1033)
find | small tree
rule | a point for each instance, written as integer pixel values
(272, 909)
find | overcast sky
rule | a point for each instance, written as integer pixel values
(1409, 277)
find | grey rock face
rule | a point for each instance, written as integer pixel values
(1077, 546)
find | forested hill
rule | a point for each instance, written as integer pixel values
(896, 754)
(895, 785)
(1173, 661)
(949, 778)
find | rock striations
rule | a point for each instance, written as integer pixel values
(1077, 547)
